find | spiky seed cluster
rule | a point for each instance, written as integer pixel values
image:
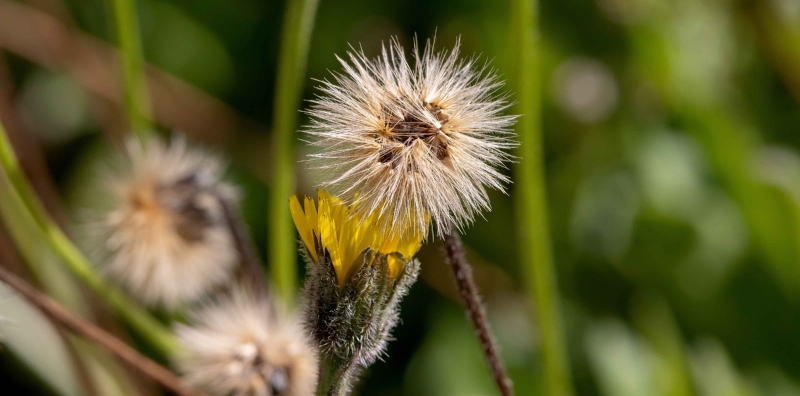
(241, 346)
(166, 238)
(413, 140)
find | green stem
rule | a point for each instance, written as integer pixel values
(137, 104)
(531, 200)
(334, 378)
(22, 195)
(654, 320)
(296, 37)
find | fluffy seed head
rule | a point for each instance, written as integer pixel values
(165, 237)
(240, 346)
(412, 140)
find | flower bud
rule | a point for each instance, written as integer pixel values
(358, 273)
(351, 324)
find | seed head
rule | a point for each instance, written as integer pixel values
(241, 346)
(412, 141)
(165, 237)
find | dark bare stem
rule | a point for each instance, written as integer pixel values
(253, 270)
(88, 330)
(475, 309)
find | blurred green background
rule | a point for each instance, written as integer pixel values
(672, 131)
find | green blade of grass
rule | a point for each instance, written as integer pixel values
(137, 103)
(531, 201)
(295, 40)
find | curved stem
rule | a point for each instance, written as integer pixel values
(56, 312)
(295, 39)
(477, 312)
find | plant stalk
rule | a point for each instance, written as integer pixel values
(137, 101)
(334, 378)
(252, 268)
(530, 199)
(295, 40)
(477, 312)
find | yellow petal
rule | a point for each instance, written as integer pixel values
(302, 226)
(330, 239)
(412, 240)
(334, 200)
(345, 237)
(409, 246)
(395, 265)
(364, 235)
(311, 216)
(390, 243)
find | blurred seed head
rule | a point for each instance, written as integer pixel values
(241, 345)
(411, 141)
(166, 237)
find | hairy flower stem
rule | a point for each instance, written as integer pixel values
(477, 312)
(88, 330)
(335, 378)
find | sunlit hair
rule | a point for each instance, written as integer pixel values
(165, 237)
(412, 140)
(239, 345)
(334, 231)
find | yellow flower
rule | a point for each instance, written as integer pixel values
(334, 229)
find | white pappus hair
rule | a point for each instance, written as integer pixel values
(166, 237)
(413, 141)
(241, 346)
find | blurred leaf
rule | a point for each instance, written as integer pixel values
(652, 317)
(621, 362)
(449, 362)
(54, 106)
(714, 372)
(31, 337)
(184, 47)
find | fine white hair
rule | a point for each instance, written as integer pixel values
(165, 237)
(412, 141)
(240, 345)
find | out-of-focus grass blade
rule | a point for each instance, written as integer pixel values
(295, 41)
